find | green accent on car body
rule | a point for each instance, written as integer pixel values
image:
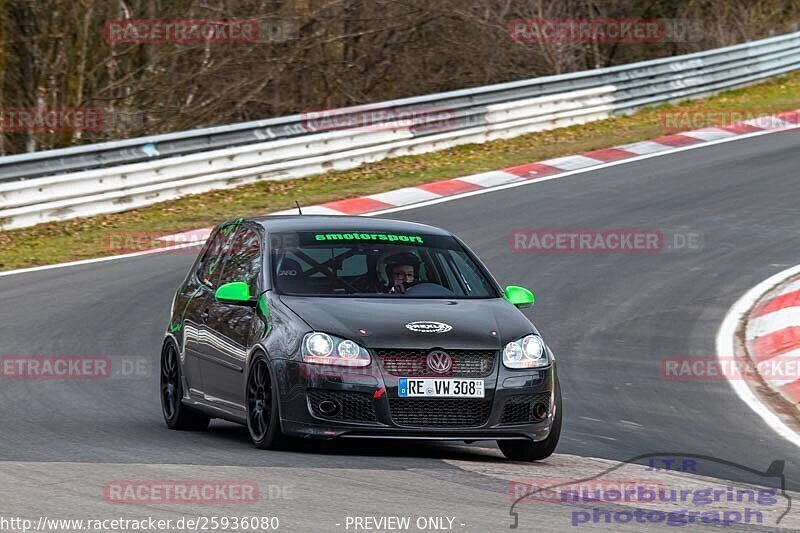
(358, 236)
(232, 225)
(519, 296)
(262, 305)
(176, 327)
(213, 266)
(236, 291)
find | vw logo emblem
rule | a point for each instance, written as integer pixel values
(439, 361)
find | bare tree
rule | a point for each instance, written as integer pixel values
(314, 54)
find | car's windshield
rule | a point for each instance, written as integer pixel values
(375, 263)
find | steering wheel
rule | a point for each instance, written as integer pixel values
(424, 288)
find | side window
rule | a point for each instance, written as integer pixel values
(209, 265)
(460, 276)
(243, 259)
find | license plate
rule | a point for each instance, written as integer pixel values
(440, 388)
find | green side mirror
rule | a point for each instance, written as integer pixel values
(237, 292)
(519, 296)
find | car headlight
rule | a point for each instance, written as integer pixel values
(324, 349)
(527, 352)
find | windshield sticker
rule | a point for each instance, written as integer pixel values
(386, 237)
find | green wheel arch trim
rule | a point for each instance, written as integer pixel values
(519, 296)
(236, 291)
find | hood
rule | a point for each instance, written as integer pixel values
(385, 319)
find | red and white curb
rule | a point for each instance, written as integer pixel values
(409, 196)
(768, 317)
(772, 336)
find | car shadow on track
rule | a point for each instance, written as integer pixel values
(478, 451)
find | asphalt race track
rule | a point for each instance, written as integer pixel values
(610, 319)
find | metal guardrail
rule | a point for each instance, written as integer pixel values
(120, 175)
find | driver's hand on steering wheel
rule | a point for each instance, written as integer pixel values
(402, 287)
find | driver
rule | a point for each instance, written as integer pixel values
(402, 271)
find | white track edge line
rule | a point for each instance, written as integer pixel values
(726, 349)
(101, 259)
(444, 198)
(578, 171)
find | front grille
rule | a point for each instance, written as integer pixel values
(437, 412)
(519, 409)
(354, 406)
(413, 363)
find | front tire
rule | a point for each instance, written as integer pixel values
(535, 451)
(261, 399)
(176, 415)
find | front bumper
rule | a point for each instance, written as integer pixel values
(369, 405)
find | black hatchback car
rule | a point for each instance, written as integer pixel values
(342, 327)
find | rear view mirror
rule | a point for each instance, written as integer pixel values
(519, 296)
(237, 293)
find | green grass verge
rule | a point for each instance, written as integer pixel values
(87, 238)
